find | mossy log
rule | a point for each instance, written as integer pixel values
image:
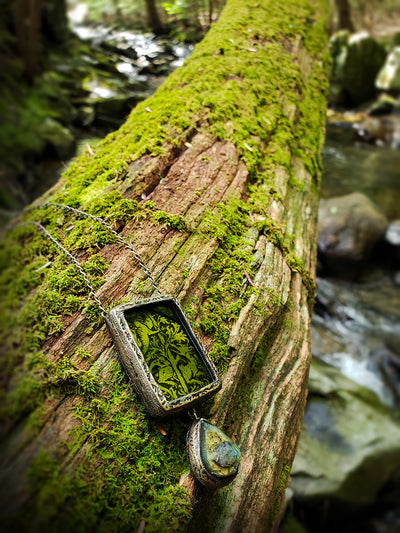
(215, 181)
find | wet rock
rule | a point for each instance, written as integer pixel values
(388, 78)
(370, 169)
(122, 50)
(371, 130)
(392, 244)
(159, 67)
(356, 329)
(395, 41)
(349, 228)
(356, 59)
(350, 444)
(116, 107)
(85, 115)
(384, 105)
(392, 235)
(378, 130)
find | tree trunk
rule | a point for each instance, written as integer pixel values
(215, 181)
(28, 34)
(344, 15)
(38, 24)
(153, 18)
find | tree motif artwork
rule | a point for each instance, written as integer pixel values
(168, 352)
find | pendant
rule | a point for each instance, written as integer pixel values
(163, 357)
(213, 457)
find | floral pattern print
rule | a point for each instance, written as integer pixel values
(168, 352)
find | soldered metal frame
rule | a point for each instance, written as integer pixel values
(134, 363)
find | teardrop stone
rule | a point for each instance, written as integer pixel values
(221, 456)
(225, 454)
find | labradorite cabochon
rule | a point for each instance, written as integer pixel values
(214, 458)
(220, 454)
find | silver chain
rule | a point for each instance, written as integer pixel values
(60, 247)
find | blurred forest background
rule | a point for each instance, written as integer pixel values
(71, 72)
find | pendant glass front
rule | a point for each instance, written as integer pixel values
(167, 349)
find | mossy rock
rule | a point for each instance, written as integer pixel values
(388, 78)
(350, 444)
(357, 59)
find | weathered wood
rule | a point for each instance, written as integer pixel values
(227, 152)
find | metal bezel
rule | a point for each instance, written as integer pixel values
(137, 369)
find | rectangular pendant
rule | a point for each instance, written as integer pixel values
(166, 362)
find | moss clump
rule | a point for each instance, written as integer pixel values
(39, 378)
(137, 478)
(225, 297)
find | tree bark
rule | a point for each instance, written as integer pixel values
(153, 17)
(344, 15)
(28, 34)
(215, 181)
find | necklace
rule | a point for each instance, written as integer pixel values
(165, 361)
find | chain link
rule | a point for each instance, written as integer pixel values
(60, 247)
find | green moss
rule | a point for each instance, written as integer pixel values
(174, 221)
(228, 293)
(276, 504)
(127, 473)
(140, 465)
(39, 379)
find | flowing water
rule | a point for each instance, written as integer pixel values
(117, 70)
(356, 326)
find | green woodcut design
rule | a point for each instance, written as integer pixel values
(168, 352)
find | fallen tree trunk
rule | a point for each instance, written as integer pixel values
(215, 182)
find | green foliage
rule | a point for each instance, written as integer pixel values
(126, 13)
(185, 20)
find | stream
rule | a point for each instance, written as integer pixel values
(356, 326)
(135, 65)
(371, 169)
